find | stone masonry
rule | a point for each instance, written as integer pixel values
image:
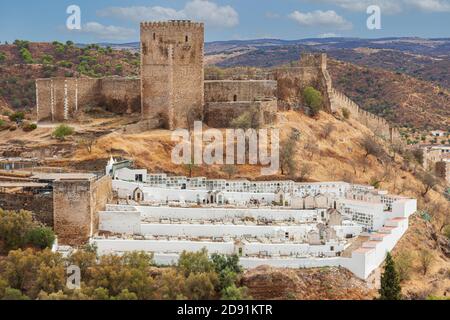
(172, 93)
(172, 72)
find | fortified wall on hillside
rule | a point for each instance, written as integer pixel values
(172, 93)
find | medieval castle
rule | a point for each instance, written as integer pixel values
(171, 92)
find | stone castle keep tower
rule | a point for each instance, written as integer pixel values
(172, 73)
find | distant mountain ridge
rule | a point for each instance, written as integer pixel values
(434, 46)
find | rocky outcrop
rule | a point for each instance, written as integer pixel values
(305, 284)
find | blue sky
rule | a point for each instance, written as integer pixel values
(118, 20)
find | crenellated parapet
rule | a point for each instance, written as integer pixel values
(185, 24)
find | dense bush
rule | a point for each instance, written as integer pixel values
(17, 116)
(19, 230)
(63, 131)
(26, 55)
(41, 237)
(42, 275)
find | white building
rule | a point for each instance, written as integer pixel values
(279, 223)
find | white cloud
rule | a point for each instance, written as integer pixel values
(199, 10)
(320, 18)
(107, 32)
(328, 35)
(431, 5)
(391, 6)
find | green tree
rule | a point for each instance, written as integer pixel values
(234, 293)
(2, 57)
(194, 262)
(313, 100)
(227, 268)
(390, 281)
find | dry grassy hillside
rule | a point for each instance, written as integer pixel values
(319, 156)
(337, 157)
(401, 99)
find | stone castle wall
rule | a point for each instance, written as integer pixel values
(240, 90)
(171, 92)
(59, 99)
(76, 204)
(312, 72)
(172, 72)
(378, 125)
(41, 205)
(221, 114)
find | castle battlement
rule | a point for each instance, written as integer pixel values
(185, 24)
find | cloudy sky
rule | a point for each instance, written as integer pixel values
(118, 20)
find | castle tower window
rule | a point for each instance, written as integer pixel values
(154, 36)
(187, 39)
(235, 98)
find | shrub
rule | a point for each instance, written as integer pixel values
(26, 55)
(65, 64)
(14, 227)
(47, 59)
(41, 237)
(17, 116)
(371, 147)
(119, 69)
(247, 120)
(2, 57)
(403, 263)
(28, 127)
(22, 44)
(62, 131)
(313, 100)
(426, 259)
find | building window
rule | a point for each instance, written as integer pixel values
(186, 39)
(235, 98)
(154, 36)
